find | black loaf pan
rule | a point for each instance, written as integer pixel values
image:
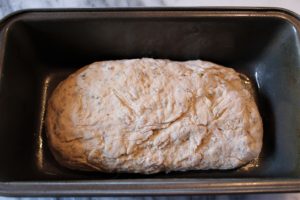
(39, 48)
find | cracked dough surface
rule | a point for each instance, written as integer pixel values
(150, 115)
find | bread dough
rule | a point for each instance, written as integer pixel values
(151, 115)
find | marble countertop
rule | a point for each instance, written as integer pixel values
(8, 6)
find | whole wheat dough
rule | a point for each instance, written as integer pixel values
(149, 115)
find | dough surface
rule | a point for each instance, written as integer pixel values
(151, 115)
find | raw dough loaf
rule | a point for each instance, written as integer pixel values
(150, 115)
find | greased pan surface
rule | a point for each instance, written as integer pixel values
(39, 48)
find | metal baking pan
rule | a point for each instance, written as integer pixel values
(38, 48)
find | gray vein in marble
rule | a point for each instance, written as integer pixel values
(7, 6)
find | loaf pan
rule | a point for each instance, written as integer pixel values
(39, 48)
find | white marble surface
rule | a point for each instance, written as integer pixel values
(8, 6)
(206, 197)
(220, 197)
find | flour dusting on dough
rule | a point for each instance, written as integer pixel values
(150, 115)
